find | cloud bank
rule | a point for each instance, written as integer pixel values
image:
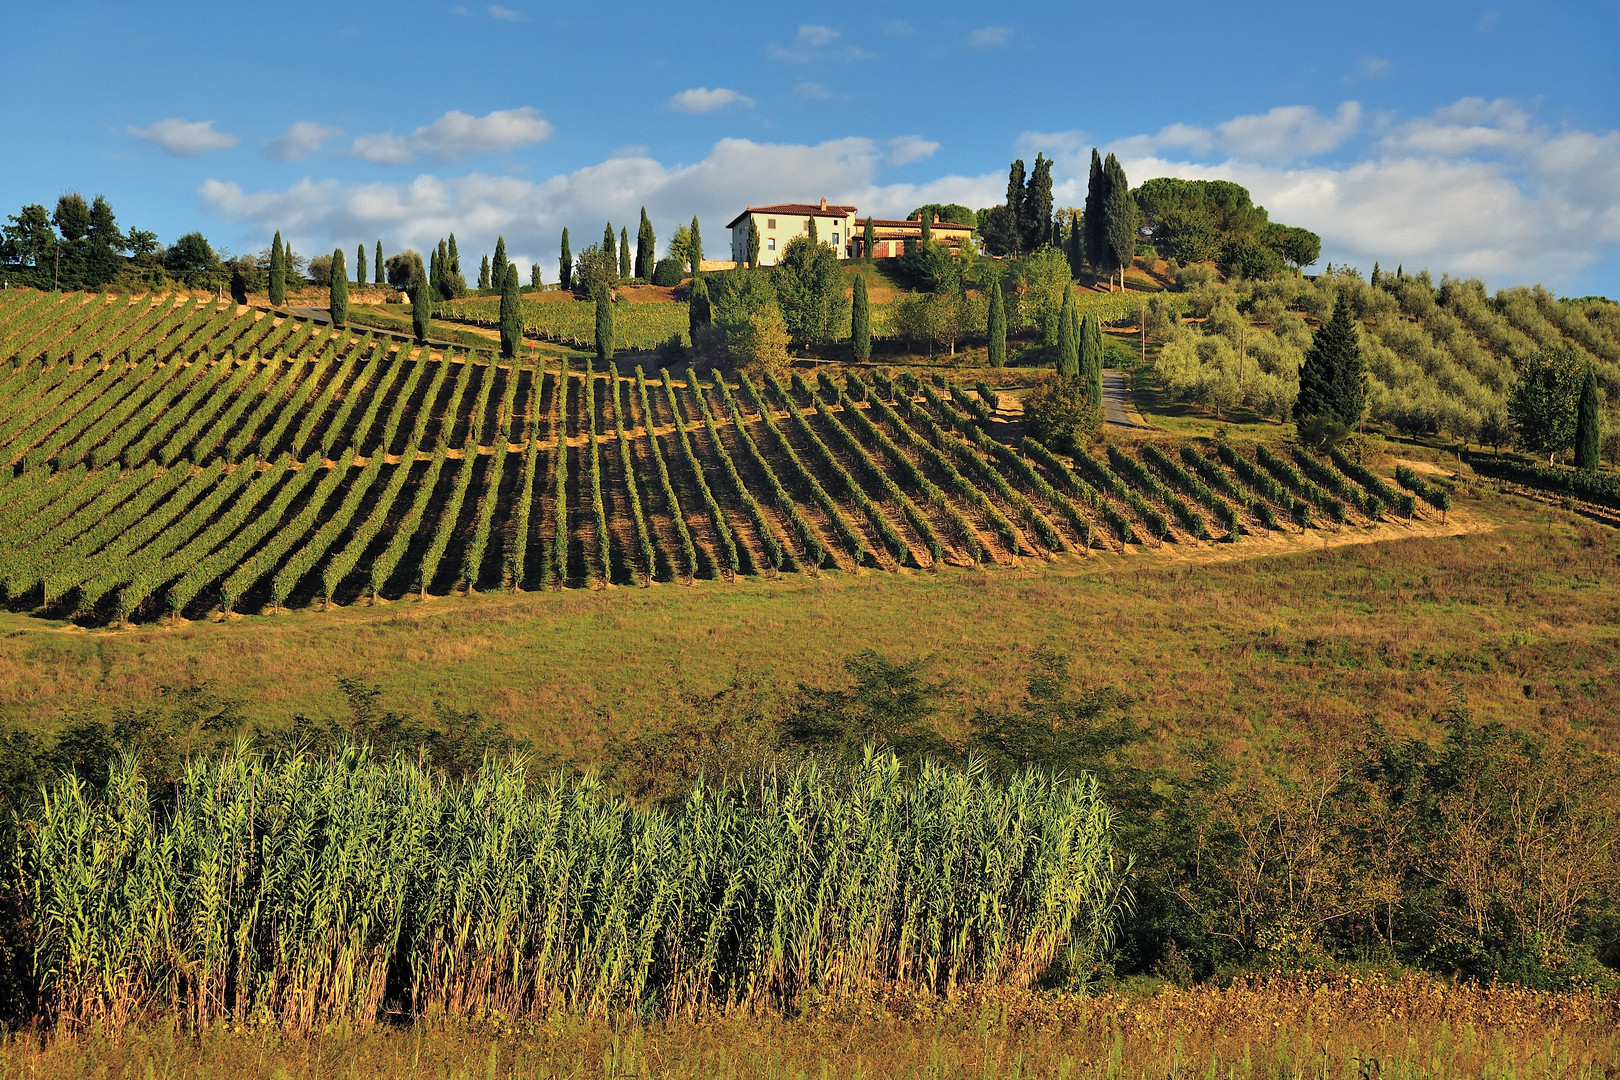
(1477, 187)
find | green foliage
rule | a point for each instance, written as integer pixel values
(1333, 380)
(604, 323)
(1588, 423)
(861, 323)
(419, 309)
(380, 268)
(565, 266)
(1120, 220)
(1602, 488)
(809, 286)
(624, 254)
(511, 313)
(278, 272)
(996, 331)
(646, 245)
(668, 272)
(1059, 412)
(753, 242)
(338, 296)
(497, 267)
(1068, 339)
(360, 265)
(1544, 402)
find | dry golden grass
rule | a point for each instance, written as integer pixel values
(1337, 1026)
(1522, 620)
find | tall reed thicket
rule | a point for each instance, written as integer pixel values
(305, 889)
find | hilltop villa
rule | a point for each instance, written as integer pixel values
(839, 227)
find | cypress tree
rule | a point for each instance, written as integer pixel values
(483, 274)
(1068, 359)
(379, 274)
(753, 242)
(1588, 425)
(1075, 246)
(624, 255)
(1035, 213)
(565, 266)
(610, 247)
(810, 229)
(1093, 217)
(998, 326)
(645, 242)
(497, 265)
(860, 324)
(278, 272)
(534, 276)
(697, 248)
(927, 224)
(1015, 204)
(1333, 379)
(419, 308)
(1091, 358)
(604, 323)
(1121, 219)
(511, 314)
(455, 257)
(360, 265)
(338, 304)
(700, 312)
(869, 239)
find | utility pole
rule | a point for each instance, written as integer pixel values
(1243, 329)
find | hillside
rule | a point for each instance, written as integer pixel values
(178, 458)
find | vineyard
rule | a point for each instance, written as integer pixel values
(635, 326)
(167, 458)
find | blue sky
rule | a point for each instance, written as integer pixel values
(1479, 139)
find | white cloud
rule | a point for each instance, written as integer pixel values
(184, 138)
(299, 141)
(504, 14)
(383, 149)
(531, 214)
(989, 37)
(1053, 143)
(905, 149)
(455, 134)
(1373, 66)
(898, 28)
(812, 91)
(814, 43)
(1286, 133)
(817, 35)
(1474, 188)
(700, 99)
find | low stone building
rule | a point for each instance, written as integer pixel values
(839, 227)
(780, 223)
(891, 236)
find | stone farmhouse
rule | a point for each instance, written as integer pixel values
(839, 227)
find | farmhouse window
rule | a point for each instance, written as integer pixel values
(770, 223)
(770, 243)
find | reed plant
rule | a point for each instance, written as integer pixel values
(304, 890)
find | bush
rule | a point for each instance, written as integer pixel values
(1061, 413)
(667, 273)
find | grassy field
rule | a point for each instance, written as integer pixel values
(1511, 603)
(1339, 1027)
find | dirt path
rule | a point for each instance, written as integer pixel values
(1119, 403)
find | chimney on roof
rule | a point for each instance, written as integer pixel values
(824, 202)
